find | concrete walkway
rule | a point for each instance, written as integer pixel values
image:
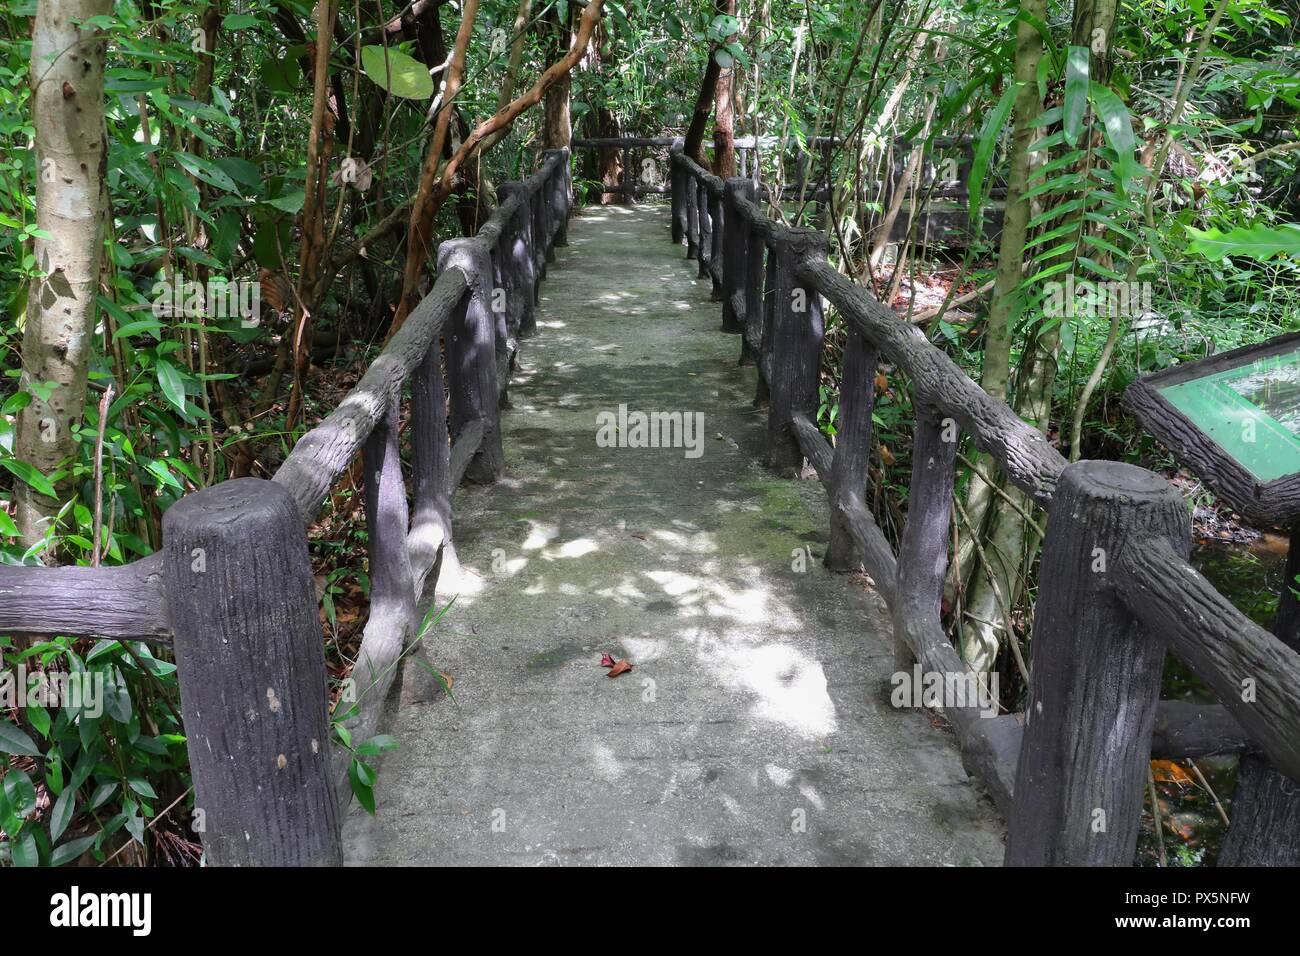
(755, 727)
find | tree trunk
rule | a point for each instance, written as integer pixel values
(67, 67)
(557, 127)
(724, 117)
(420, 233)
(1011, 254)
(1011, 543)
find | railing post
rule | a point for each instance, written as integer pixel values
(677, 179)
(430, 462)
(704, 218)
(923, 551)
(796, 344)
(852, 448)
(251, 665)
(718, 227)
(1096, 673)
(537, 212)
(755, 270)
(735, 257)
(474, 391)
(767, 314)
(521, 293)
(692, 197)
(557, 189)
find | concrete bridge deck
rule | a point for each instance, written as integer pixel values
(755, 727)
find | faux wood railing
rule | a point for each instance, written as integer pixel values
(1115, 589)
(231, 592)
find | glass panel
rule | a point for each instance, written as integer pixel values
(1252, 412)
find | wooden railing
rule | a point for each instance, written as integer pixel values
(1115, 588)
(231, 592)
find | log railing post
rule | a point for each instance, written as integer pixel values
(523, 266)
(735, 255)
(767, 314)
(796, 344)
(923, 551)
(1096, 674)
(558, 190)
(677, 179)
(705, 245)
(537, 211)
(512, 266)
(718, 226)
(251, 665)
(754, 273)
(471, 357)
(391, 625)
(691, 195)
(852, 448)
(430, 463)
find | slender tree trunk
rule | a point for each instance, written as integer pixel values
(557, 127)
(1011, 543)
(909, 174)
(420, 232)
(1011, 253)
(67, 70)
(313, 209)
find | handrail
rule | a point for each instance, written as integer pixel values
(1113, 560)
(231, 589)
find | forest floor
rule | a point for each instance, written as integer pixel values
(755, 726)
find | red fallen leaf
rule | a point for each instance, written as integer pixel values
(622, 667)
(606, 660)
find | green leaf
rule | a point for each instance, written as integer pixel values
(1076, 92)
(377, 745)
(289, 202)
(209, 172)
(19, 791)
(33, 477)
(1259, 241)
(396, 72)
(988, 139)
(16, 403)
(142, 787)
(362, 779)
(171, 383)
(238, 21)
(61, 815)
(25, 852)
(1119, 129)
(71, 850)
(39, 718)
